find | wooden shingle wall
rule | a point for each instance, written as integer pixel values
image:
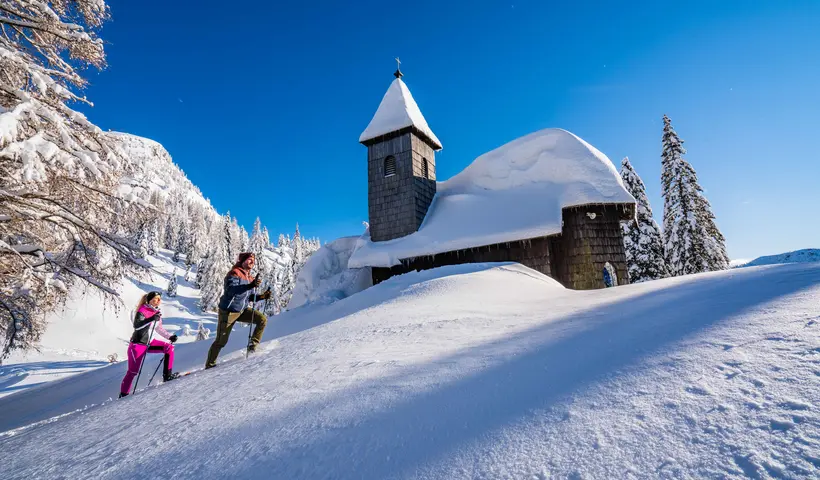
(398, 204)
(590, 237)
(534, 253)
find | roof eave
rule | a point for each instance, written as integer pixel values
(397, 133)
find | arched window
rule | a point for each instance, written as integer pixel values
(425, 170)
(389, 166)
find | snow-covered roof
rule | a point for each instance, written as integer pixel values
(398, 110)
(512, 193)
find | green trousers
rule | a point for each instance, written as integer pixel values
(225, 325)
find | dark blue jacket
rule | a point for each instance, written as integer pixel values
(235, 293)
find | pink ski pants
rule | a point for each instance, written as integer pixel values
(135, 353)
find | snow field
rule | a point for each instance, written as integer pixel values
(481, 371)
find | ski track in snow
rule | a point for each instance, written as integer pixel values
(473, 371)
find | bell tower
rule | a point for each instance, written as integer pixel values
(401, 164)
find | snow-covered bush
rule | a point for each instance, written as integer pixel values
(202, 333)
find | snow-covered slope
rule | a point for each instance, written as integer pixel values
(515, 192)
(798, 256)
(155, 171)
(470, 371)
(86, 331)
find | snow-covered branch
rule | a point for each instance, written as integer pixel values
(62, 220)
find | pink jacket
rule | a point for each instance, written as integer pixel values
(145, 317)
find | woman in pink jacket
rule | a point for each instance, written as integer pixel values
(147, 325)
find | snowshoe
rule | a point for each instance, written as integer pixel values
(167, 377)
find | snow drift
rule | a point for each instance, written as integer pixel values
(325, 277)
(471, 371)
(514, 192)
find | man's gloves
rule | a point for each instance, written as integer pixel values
(173, 338)
(256, 282)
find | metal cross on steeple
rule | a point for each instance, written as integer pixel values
(398, 73)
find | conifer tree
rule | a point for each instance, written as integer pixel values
(172, 285)
(266, 236)
(198, 236)
(199, 280)
(642, 238)
(244, 239)
(153, 237)
(142, 238)
(298, 249)
(228, 240)
(692, 241)
(257, 242)
(215, 265)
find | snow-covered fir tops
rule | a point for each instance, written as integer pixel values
(692, 241)
(642, 238)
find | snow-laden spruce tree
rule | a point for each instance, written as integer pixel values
(266, 237)
(172, 285)
(257, 242)
(60, 219)
(642, 238)
(215, 265)
(718, 256)
(184, 238)
(141, 239)
(198, 233)
(692, 241)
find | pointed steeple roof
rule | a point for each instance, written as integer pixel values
(398, 110)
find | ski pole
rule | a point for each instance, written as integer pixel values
(145, 354)
(155, 371)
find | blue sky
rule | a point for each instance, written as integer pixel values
(262, 105)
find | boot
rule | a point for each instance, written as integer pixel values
(167, 377)
(122, 395)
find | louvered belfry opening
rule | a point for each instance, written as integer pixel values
(425, 170)
(389, 166)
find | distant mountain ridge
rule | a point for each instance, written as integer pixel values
(805, 255)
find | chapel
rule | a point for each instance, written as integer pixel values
(548, 200)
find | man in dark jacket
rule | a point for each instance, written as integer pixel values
(232, 306)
